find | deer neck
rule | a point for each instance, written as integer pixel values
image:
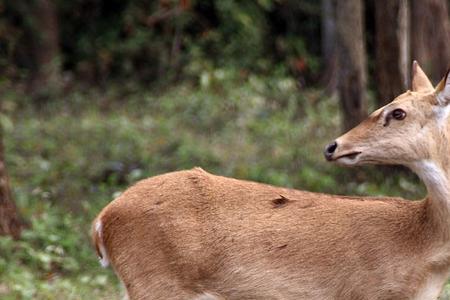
(436, 177)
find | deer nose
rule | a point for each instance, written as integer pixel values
(329, 150)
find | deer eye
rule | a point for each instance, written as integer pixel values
(398, 114)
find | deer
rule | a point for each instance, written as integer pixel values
(194, 235)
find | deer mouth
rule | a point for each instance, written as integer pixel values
(350, 156)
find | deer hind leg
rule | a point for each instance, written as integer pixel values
(160, 292)
(165, 287)
(175, 294)
(208, 296)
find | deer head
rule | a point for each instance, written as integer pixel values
(413, 128)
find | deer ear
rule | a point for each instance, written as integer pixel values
(443, 90)
(420, 81)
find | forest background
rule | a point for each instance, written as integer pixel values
(98, 94)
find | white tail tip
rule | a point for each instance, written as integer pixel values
(101, 251)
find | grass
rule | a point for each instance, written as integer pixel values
(70, 157)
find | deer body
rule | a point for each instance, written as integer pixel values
(194, 235)
(244, 240)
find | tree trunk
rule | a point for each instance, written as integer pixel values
(430, 36)
(329, 77)
(45, 48)
(10, 222)
(392, 49)
(351, 61)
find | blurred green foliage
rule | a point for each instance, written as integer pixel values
(67, 159)
(52, 260)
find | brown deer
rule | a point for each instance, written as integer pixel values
(194, 235)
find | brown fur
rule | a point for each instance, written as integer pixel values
(194, 235)
(190, 231)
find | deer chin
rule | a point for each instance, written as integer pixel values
(348, 159)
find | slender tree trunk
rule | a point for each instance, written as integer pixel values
(430, 36)
(351, 61)
(45, 48)
(329, 77)
(10, 222)
(392, 49)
